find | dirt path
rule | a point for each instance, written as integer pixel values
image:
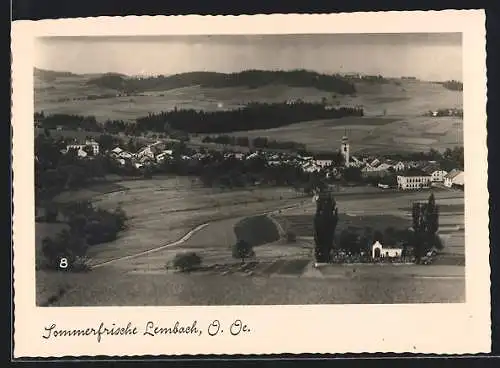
(188, 236)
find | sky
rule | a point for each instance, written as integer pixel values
(426, 56)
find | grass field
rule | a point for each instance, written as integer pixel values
(163, 210)
(373, 134)
(380, 211)
(118, 289)
(402, 127)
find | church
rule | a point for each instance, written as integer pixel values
(344, 150)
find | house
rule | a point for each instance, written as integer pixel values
(368, 169)
(383, 167)
(437, 176)
(146, 152)
(380, 251)
(454, 178)
(81, 147)
(310, 167)
(400, 166)
(164, 155)
(323, 163)
(94, 145)
(116, 150)
(75, 146)
(239, 156)
(413, 181)
(353, 161)
(253, 155)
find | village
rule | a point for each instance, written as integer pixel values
(384, 172)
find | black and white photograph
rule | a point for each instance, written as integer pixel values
(246, 169)
(265, 169)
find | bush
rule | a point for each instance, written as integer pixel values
(95, 225)
(242, 250)
(66, 245)
(187, 261)
(291, 237)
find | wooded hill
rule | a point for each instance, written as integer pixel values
(248, 78)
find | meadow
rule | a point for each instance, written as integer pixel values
(163, 210)
(382, 211)
(118, 289)
(393, 112)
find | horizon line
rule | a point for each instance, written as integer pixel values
(243, 70)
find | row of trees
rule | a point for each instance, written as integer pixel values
(453, 85)
(251, 117)
(182, 121)
(69, 121)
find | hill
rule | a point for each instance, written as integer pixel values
(248, 78)
(51, 75)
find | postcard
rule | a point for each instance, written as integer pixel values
(250, 185)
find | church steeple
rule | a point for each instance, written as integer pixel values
(344, 149)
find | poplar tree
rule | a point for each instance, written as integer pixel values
(325, 223)
(425, 218)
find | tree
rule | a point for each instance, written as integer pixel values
(349, 241)
(425, 218)
(106, 142)
(66, 244)
(352, 174)
(242, 249)
(325, 222)
(187, 261)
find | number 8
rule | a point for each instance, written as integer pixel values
(63, 263)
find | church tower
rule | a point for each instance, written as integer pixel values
(344, 149)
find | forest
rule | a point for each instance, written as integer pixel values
(247, 78)
(453, 85)
(251, 117)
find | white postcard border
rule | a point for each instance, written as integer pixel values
(425, 328)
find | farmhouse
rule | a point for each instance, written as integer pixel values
(380, 251)
(383, 167)
(164, 155)
(438, 176)
(95, 146)
(400, 166)
(323, 163)
(413, 181)
(454, 178)
(80, 147)
(116, 150)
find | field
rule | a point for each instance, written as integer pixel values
(393, 113)
(373, 134)
(116, 289)
(164, 210)
(365, 210)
